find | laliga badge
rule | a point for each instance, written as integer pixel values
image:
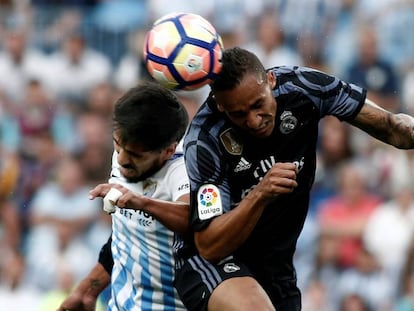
(288, 122)
(209, 202)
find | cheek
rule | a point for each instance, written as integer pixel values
(139, 165)
(237, 121)
(271, 107)
(144, 164)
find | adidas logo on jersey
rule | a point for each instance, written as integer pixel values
(242, 165)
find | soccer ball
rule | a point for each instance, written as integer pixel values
(183, 51)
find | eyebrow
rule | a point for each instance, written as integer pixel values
(259, 101)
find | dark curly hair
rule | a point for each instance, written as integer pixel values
(150, 115)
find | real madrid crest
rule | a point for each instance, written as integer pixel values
(231, 142)
(288, 122)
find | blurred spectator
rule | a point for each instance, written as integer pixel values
(315, 297)
(9, 173)
(407, 92)
(354, 302)
(306, 253)
(368, 280)
(390, 247)
(344, 215)
(94, 131)
(60, 218)
(232, 19)
(9, 133)
(36, 162)
(77, 68)
(192, 100)
(95, 147)
(109, 23)
(371, 71)
(394, 23)
(310, 49)
(50, 300)
(327, 270)
(11, 260)
(269, 44)
(231, 38)
(334, 149)
(314, 16)
(158, 8)
(67, 22)
(20, 63)
(131, 67)
(35, 114)
(66, 3)
(100, 99)
(405, 300)
(340, 43)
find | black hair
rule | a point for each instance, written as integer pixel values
(236, 63)
(150, 115)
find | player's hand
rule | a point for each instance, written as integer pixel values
(280, 179)
(77, 301)
(128, 199)
(102, 190)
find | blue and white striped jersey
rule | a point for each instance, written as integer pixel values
(143, 271)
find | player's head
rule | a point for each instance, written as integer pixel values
(236, 63)
(149, 121)
(243, 91)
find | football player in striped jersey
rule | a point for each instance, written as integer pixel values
(148, 169)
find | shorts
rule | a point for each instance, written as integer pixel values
(196, 279)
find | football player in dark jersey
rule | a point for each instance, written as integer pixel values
(250, 155)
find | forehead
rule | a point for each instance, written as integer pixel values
(251, 89)
(131, 147)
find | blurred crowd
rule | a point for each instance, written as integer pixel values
(62, 66)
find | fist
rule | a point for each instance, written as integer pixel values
(280, 179)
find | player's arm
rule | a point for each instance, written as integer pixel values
(173, 215)
(230, 230)
(85, 295)
(393, 129)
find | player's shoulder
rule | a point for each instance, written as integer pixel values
(207, 124)
(297, 71)
(175, 165)
(304, 80)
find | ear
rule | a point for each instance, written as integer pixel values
(169, 151)
(271, 79)
(219, 107)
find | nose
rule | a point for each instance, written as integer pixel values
(123, 158)
(253, 120)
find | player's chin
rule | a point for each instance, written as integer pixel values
(263, 132)
(130, 175)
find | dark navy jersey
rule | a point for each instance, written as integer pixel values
(224, 164)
